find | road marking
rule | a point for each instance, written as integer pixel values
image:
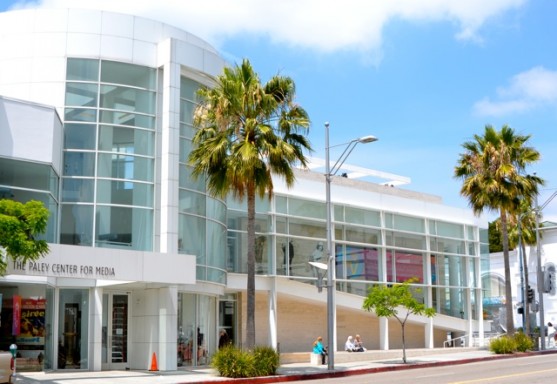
(502, 377)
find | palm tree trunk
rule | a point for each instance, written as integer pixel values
(508, 290)
(250, 318)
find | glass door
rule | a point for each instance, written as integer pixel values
(115, 325)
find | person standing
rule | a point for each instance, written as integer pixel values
(319, 349)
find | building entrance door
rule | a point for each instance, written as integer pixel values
(115, 325)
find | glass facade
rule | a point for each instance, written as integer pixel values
(109, 155)
(201, 217)
(23, 181)
(370, 247)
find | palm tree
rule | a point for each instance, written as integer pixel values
(522, 232)
(247, 132)
(492, 169)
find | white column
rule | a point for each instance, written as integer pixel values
(169, 149)
(272, 294)
(383, 334)
(429, 333)
(168, 328)
(95, 328)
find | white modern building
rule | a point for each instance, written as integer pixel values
(96, 122)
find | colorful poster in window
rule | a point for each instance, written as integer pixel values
(16, 315)
(32, 319)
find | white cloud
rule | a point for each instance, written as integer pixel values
(320, 25)
(526, 91)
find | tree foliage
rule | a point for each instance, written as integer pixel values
(397, 301)
(493, 173)
(247, 132)
(19, 225)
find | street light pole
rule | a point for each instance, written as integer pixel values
(331, 262)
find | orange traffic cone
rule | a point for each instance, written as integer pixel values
(154, 365)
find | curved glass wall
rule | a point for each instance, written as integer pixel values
(369, 246)
(109, 155)
(201, 217)
(24, 181)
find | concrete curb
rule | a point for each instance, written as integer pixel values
(364, 371)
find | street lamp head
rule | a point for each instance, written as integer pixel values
(367, 139)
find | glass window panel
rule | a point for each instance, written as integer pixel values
(389, 219)
(432, 229)
(472, 249)
(407, 223)
(119, 166)
(216, 244)
(124, 193)
(128, 74)
(338, 213)
(339, 232)
(82, 94)
(362, 216)
(307, 228)
(451, 246)
(76, 224)
(126, 140)
(472, 273)
(405, 240)
(80, 114)
(450, 230)
(77, 190)
(285, 256)
(127, 99)
(262, 205)
(192, 202)
(402, 265)
(82, 69)
(22, 174)
(216, 210)
(307, 208)
(188, 181)
(187, 131)
(262, 251)
(79, 164)
(362, 235)
(357, 263)
(238, 220)
(185, 149)
(471, 233)
(281, 225)
(186, 112)
(127, 118)
(188, 89)
(121, 227)
(280, 204)
(80, 136)
(190, 230)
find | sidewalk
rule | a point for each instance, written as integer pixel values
(287, 372)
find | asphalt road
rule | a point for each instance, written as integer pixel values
(529, 370)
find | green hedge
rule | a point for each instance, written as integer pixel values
(231, 361)
(519, 342)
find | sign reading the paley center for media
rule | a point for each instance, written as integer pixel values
(66, 270)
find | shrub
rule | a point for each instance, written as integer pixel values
(231, 361)
(502, 345)
(266, 361)
(523, 342)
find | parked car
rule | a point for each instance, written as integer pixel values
(5, 367)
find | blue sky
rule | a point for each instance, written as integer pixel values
(422, 76)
